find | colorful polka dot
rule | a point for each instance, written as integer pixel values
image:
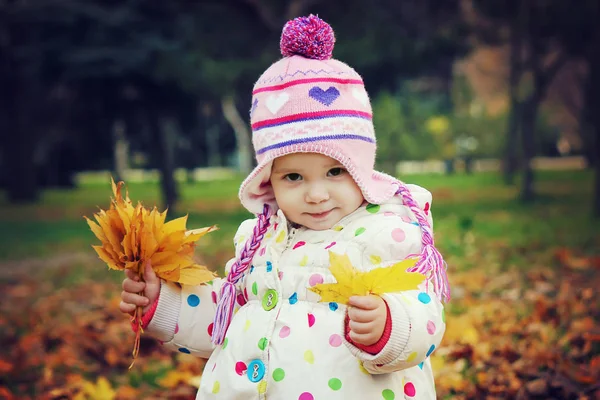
(406, 219)
(426, 209)
(193, 300)
(269, 266)
(210, 329)
(247, 325)
(216, 387)
(335, 340)
(184, 350)
(280, 275)
(262, 343)
(280, 237)
(176, 328)
(373, 208)
(304, 261)
(278, 375)
(309, 357)
(213, 296)
(338, 228)
(315, 279)
(284, 332)
(306, 396)
(311, 320)
(262, 387)
(335, 384)
(421, 365)
(333, 306)
(262, 251)
(424, 298)
(443, 315)
(251, 268)
(375, 259)
(431, 349)
(409, 389)
(299, 244)
(241, 300)
(240, 368)
(255, 288)
(389, 214)
(388, 394)
(359, 231)
(330, 245)
(225, 342)
(294, 298)
(362, 368)
(398, 235)
(430, 327)
(411, 356)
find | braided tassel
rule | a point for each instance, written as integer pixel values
(226, 304)
(431, 263)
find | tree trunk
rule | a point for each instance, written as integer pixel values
(242, 134)
(528, 120)
(18, 101)
(592, 114)
(510, 164)
(164, 135)
(120, 150)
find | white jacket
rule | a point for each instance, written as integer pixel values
(283, 344)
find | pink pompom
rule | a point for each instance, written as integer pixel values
(309, 37)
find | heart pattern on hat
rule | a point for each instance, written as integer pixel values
(275, 102)
(324, 96)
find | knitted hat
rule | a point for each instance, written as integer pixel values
(308, 102)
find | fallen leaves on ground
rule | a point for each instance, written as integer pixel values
(514, 333)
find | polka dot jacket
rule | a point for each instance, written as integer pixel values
(283, 344)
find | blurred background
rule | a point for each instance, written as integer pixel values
(493, 105)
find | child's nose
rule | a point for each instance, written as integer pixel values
(317, 193)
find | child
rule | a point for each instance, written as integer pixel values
(314, 191)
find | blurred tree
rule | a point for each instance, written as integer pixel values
(530, 28)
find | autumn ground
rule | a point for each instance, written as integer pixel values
(523, 321)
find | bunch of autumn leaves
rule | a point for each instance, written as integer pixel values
(131, 236)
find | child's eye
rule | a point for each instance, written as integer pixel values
(293, 177)
(336, 171)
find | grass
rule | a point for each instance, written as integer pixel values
(466, 208)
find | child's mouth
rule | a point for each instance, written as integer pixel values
(320, 215)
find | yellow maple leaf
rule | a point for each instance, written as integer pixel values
(101, 390)
(351, 282)
(131, 236)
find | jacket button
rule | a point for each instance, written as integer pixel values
(256, 370)
(269, 300)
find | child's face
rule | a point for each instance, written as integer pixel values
(314, 190)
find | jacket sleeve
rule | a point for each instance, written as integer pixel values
(417, 316)
(184, 315)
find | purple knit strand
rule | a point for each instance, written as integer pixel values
(226, 303)
(431, 262)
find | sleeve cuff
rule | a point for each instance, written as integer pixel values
(163, 323)
(400, 331)
(147, 317)
(375, 348)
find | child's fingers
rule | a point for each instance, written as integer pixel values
(149, 274)
(131, 275)
(132, 286)
(134, 299)
(127, 308)
(365, 302)
(360, 327)
(360, 315)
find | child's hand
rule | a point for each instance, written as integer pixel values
(367, 316)
(130, 299)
